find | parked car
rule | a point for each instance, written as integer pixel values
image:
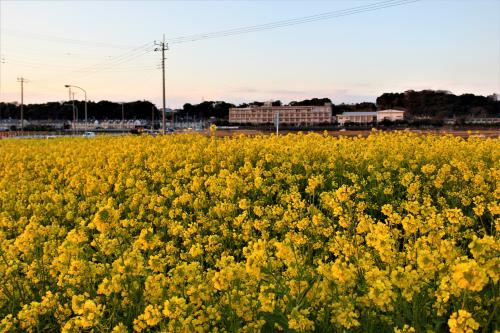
(89, 135)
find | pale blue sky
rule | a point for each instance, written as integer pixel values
(430, 44)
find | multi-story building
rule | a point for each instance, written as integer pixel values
(368, 117)
(291, 115)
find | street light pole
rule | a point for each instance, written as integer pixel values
(85, 94)
(74, 113)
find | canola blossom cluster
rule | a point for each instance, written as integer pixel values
(394, 232)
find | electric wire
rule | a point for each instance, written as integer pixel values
(131, 54)
(289, 22)
(147, 48)
(67, 68)
(125, 60)
(37, 36)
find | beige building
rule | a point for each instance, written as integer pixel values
(292, 115)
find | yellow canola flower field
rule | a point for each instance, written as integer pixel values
(394, 232)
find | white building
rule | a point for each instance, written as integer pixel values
(392, 115)
(360, 117)
(369, 117)
(483, 121)
(113, 124)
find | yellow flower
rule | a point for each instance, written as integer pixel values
(297, 320)
(406, 329)
(462, 322)
(468, 275)
(174, 307)
(120, 328)
(198, 233)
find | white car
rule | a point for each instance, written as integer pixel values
(89, 135)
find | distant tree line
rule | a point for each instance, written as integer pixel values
(364, 106)
(64, 111)
(206, 110)
(440, 104)
(313, 101)
(220, 109)
(424, 104)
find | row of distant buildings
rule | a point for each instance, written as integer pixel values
(79, 125)
(307, 115)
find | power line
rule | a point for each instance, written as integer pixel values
(146, 48)
(222, 33)
(285, 23)
(290, 22)
(131, 54)
(59, 68)
(27, 54)
(108, 66)
(66, 66)
(104, 66)
(58, 39)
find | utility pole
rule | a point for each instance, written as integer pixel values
(123, 116)
(163, 47)
(22, 80)
(152, 117)
(277, 121)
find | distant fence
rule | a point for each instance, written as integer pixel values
(11, 134)
(29, 134)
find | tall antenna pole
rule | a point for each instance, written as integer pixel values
(163, 47)
(22, 80)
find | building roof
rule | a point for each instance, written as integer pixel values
(391, 110)
(282, 107)
(360, 113)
